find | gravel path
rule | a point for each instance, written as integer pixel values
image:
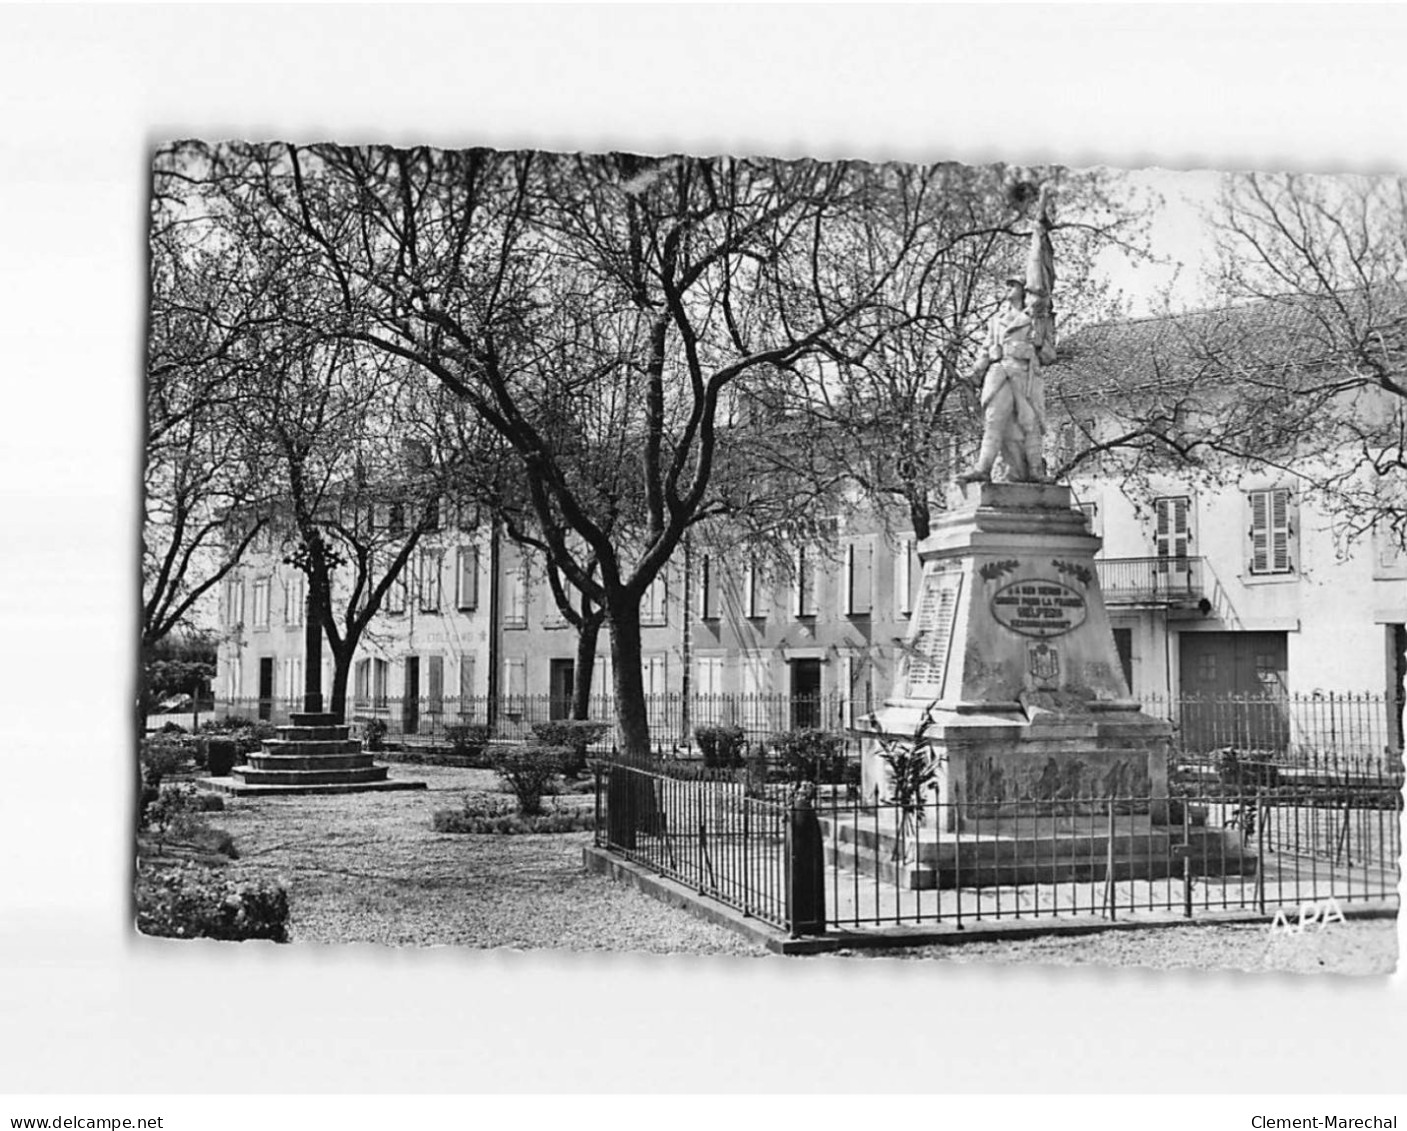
(370, 868)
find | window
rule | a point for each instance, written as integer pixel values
(466, 574)
(755, 687)
(516, 614)
(903, 577)
(753, 603)
(1172, 532)
(652, 606)
(261, 602)
(856, 595)
(396, 597)
(515, 685)
(708, 590)
(710, 675)
(1270, 531)
(361, 683)
(295, 597)
(429, 581)
(234, 677)
(466, 683)
(380, 681)
(234, 601)
(395, 520)
(849, 664)
(436, 680)
(292, 679)
(804, 582)
(655, 673)
(430, 516)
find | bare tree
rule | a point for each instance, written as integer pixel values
(206, 302)
(593, 311)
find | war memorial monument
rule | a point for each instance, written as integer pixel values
(1010, 680)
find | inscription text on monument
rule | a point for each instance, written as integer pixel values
(928, 659)
(1039, 608)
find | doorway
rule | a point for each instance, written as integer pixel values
(561, 686)
(266, 688)
(805, 694)
(1233, 690)
(410, 703)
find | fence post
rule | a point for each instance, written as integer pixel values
(805, 866)
(1109, 895)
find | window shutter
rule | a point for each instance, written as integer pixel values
(903, 577)
(466, 681)
(708, 600)
(1280, 531)
(859, 571)
(1260, 532)
(468, 582)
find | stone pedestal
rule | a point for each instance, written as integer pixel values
(1011, 663)
(316, 754)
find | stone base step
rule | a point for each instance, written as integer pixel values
(355, 760)
(235, 788)
(988, 863)
(311, 746)
(248, 775)
(314, 734)
(320, 719)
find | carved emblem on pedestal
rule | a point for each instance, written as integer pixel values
(1043, 662)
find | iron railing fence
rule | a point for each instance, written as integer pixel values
(1333, 733)
(711, 833)
(1158, 581)
(882, 864)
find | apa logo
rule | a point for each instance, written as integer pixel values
(1309, 914)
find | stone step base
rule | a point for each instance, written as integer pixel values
(313, 746)
(248, 775)
(950, 863)
(234, 788)
(356, 760)
(320, 719)
(314, 734)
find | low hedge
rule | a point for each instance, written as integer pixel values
(192, 901)
(457, 821)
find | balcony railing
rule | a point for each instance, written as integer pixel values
(1151, 581)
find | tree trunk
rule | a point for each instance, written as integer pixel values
(341, 671)
(587, 635)
(631, 715)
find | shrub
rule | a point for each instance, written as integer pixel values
(192, 901)
(164, 755)
(722, 746)
(209, 803)
(220, 756)
(572, 736)
(374, 733)
(171, 728)
(529, 771)
(468, 741)
(810, 755)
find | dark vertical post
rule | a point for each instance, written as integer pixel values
(312, 652)
(805, 867)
